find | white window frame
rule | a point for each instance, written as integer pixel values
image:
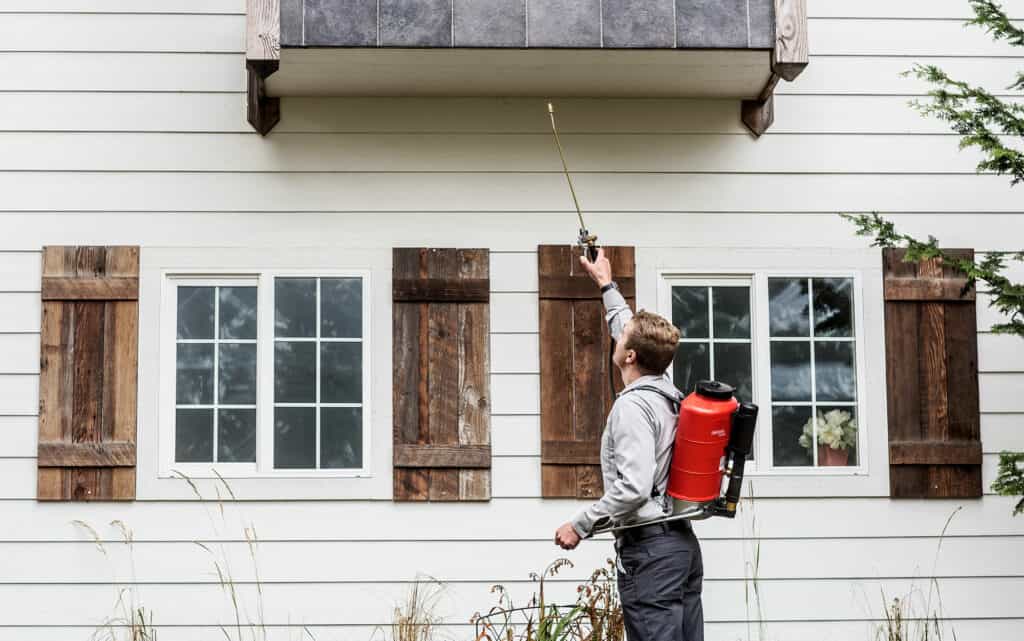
(762, 465)
(264, 281)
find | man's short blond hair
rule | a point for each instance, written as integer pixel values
(654, 340)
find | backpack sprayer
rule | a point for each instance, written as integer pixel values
(714, 434)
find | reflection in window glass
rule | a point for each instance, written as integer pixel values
(318, 373)
(714, 325)
(215, 374)
(813, 372)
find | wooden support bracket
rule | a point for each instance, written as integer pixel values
(262, 58)
(789, 58)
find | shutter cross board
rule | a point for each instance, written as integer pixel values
(441, 343)
(574, 394)
(87, 373)
(932, 372)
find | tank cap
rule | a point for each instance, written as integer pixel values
(715, 389)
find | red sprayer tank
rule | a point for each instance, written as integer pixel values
(705, 420)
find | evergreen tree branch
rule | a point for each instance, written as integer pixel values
(981, 119)
(993, 19)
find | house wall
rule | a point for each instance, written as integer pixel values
(123, 123)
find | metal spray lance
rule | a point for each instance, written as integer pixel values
(586, 240)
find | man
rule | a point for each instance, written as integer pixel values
(660, 570)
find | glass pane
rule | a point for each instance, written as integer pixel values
(237, 312)
(731, 309)
(341, 437)
(833, 306)
(295, 437)
(236, 436)
(195, 374)
(788, 446)
(195, 312)
(690, 311)
(341, 307)
(237, 376)
(295, 307)
(341, 372)
(294, 372)
(834, 373)
(193, 436)
(691, 364)
(787, 307)
(733, 366)
(837, 436)
(791, 371)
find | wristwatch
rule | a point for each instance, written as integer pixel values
(611, 285)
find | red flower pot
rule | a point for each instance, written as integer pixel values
(829, 456)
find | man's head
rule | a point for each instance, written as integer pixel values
(648, 344)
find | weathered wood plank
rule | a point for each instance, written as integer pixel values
(573, 452)
(791, 52)
(263, 30)
(443, 456)
(97, 454)
(409, 426)
(474, 377)
(927, 289)
(580, 287)
(438, 290)
(589, 352)
(98, 289)
(935, 453)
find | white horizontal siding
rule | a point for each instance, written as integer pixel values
(218, 112)
(447, 152)
(502, 192)
(164, 157)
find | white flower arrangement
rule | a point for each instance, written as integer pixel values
(836, 428)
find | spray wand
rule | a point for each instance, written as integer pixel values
(586, 240)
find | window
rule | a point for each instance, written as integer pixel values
(813, 371)
(786, 342)
(713, 318)
(270, 372)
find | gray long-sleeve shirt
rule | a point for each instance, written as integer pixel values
(636, 445)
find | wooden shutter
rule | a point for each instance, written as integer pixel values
(574, 392)
(87, 375)
(932, 370)
(442, 421)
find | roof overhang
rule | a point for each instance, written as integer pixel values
(667, 48)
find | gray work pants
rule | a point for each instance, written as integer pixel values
(660, 580)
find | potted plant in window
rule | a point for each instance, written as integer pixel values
(837, 433)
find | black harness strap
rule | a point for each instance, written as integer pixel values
(673, 401)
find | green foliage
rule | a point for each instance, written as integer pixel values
(981, 119)
(1010, 478)
(1007, 297)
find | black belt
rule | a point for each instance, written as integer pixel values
(633, 534)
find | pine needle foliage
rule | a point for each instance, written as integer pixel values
(982, 119)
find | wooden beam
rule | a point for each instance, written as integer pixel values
(103, 288)
(262, 58)
(759, 114)
(790, 55)
(439, 290)
(457, 456)
(93, 454)
(935, 453)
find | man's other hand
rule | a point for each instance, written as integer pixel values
(600, 270)
(566, 537)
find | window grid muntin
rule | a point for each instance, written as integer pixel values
(318, 339)
(216, 342)
(811, 339)
(711, 339)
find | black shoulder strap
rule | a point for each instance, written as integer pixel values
(657, 390)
